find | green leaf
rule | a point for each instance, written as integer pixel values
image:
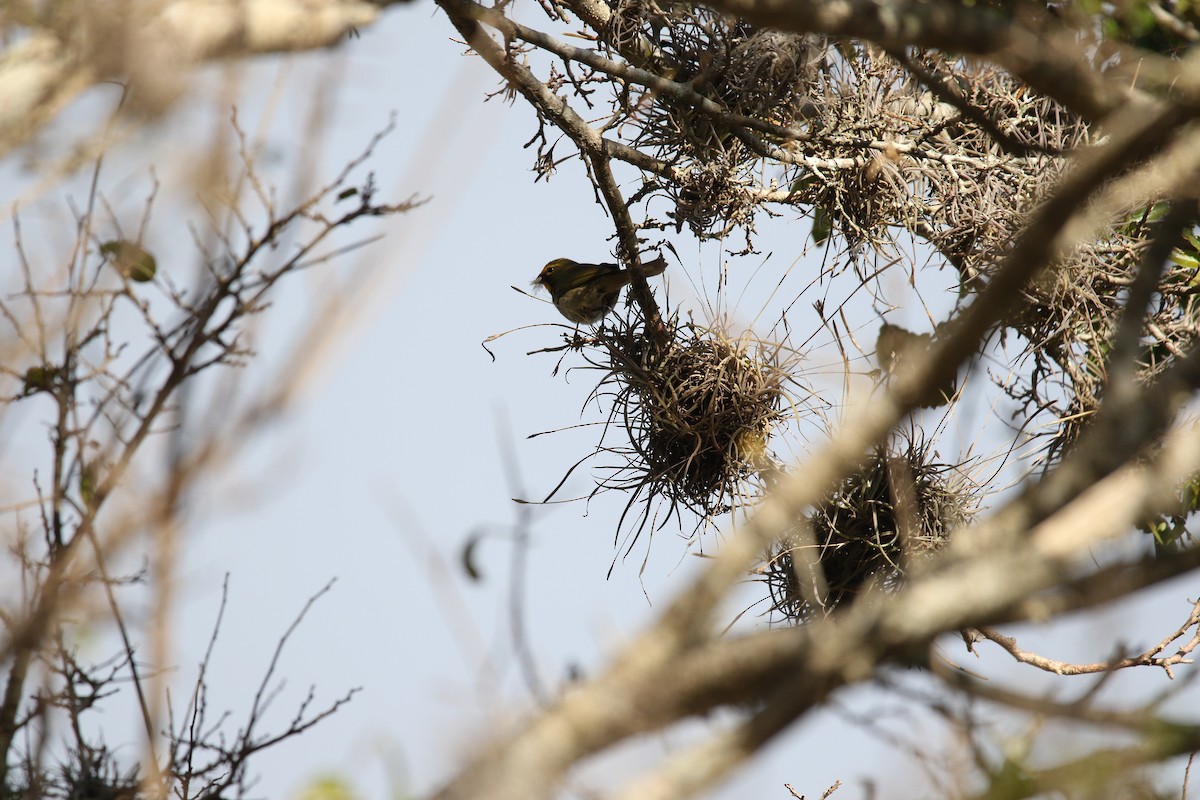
(87, 486)
(822, 225)
(329, 787)
(131, 260)
(803, 183)
(1181, 259)
(40, 379)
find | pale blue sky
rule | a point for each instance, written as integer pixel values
(394, 451)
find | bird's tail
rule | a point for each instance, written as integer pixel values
(656, 267)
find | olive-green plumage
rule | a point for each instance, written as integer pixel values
(585, 293)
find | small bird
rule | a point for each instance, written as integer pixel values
(585, 293)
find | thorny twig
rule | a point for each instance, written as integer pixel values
(1151, 657)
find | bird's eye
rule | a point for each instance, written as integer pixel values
(549, 270)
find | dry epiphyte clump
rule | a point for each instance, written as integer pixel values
(749, 70)
(770, 74)
(1069, 315)
(766, 79)
(699, 409)
(892, 509)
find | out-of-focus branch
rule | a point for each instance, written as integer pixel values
(152, 51)
(1097, 773)
(1038, 48)
(703, 765)
(644, 691)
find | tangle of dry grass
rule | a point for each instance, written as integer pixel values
(694, 416)
(896, 507)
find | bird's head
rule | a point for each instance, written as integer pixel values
(551, 272)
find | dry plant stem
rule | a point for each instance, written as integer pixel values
(13, 694)
(200, 755)
(185, 743)
(656, 330)
(27, 633)
(152, 776)
(203, 327)
(1151, 657)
